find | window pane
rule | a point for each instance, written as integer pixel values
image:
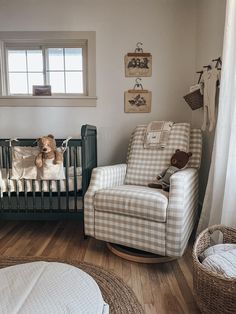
(35, 79)
(73, 59)
(18, 83)
(17, 60)
(55, 59)
(56, 80)
(35, 60)
(74, 82)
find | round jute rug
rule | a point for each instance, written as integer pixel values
(116, 293)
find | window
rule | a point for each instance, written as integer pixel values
(64, 70)
(61, 67)
(64, 60)
(24, 69)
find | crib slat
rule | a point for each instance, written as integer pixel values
(67, 178)
(34, 198)
(1, 161)
(50, 195)
(17, 196)
(8, 176)
(1, 200)
(10, 157)
(42, 195)
(3, 157)
(70, 155)
(75, 178)
(78, 156)
(59, 194)
(1, 166)
(25, 194)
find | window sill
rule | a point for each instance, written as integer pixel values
(48, 101)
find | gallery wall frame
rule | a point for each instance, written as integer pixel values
(138, 100)
(138, 63)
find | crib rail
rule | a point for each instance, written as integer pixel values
(52, 199)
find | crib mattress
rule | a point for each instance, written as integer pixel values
(8, 184)
(42, 287)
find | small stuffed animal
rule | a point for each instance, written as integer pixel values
(48, 150)
(178, 161)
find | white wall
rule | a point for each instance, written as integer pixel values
(166, 27)
(209, 44)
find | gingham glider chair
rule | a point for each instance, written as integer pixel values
(120, 208)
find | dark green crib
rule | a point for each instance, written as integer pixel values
(19, 202)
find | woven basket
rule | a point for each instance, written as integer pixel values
(213, 292)
(194, 99)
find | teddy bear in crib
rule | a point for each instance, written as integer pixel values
(178, 161)
(48, 150)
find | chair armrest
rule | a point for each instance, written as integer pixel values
(108, 176)
(102, 177)
(181, 210)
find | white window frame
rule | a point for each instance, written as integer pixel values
(43, 47)
(24, 40)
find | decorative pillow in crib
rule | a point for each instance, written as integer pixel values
(23, 162)
(51, 171)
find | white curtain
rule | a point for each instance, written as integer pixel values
(219, 205)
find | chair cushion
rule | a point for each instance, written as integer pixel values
(143, 165)
(133, 200)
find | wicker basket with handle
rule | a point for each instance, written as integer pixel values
(194, 99)
(213, 292)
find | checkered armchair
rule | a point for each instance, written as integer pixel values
(120, 208)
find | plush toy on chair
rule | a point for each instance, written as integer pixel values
(178, 161)
(48, 150)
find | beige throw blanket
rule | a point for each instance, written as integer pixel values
(223, 263)
(157, 134)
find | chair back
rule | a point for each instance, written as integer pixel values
(195, 146)
(143, 164)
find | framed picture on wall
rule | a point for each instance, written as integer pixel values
(138, 64)
(138, 101)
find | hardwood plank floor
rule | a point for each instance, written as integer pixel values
(160, 288)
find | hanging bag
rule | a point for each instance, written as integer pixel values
(195, 99)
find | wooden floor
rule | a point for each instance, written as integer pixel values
(160, 288)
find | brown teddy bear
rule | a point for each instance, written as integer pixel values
(178, 161)
(48, 150)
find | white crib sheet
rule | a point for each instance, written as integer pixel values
(5, 182)
(52, 288)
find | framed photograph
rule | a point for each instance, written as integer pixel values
(138, 64)
(42, 90)
(138, 101)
